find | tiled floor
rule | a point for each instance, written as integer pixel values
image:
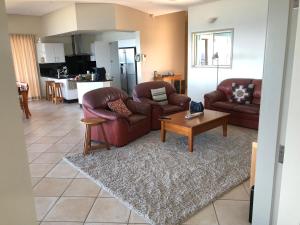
(65, 197)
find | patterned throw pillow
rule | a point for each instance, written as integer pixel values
(242, 94)
(118, 106)
(159, 95)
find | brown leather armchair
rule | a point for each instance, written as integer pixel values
(177, 102)
(120, 130)
(241, 115)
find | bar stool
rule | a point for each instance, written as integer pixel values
(89, 122)
(49, 93)
(57, 93)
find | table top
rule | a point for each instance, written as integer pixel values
(170, 78)
(93, 121)
(206, 117)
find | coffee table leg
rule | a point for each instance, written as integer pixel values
(225, 127)
(191, 142)
(162, 132)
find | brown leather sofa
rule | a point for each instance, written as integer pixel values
(241, 115)
(119, 129)
(177, 102)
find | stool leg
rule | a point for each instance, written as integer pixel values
(87, 140)
(53, 93)
(47, 92)
(50, 93)
(105, 139)
(60, 94)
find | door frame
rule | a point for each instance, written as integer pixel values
(270, 111)
(135, 65)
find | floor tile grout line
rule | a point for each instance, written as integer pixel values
(51, 136)
(58, 198)
(216, 213)
(100, 223)
(247, 191)
(233, 200)
(87, 215)
(45, 197)
(129, 217)
(46, 214)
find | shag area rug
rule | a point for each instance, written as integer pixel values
(163, 182)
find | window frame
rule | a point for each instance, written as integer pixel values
(194, 47)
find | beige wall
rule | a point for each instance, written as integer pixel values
(16, 201)
(24, 24)
(61, 21)
(95, 17)
(66, 40)
(170, 43)
(162, 39)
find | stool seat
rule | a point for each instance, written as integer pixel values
(89, 122)
(93, 121)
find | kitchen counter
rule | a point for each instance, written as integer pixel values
(90, 81)
(61, 77)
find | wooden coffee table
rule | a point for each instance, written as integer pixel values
(178, 124)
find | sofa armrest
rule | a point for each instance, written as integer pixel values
(108, 115)
(139, 107)
(180, 100)
(212, 97)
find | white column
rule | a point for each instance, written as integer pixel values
(16, 201)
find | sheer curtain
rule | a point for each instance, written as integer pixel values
(25, 62)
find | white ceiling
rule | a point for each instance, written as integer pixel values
(155, 7)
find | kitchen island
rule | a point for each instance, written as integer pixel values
(86, 86)
(68, 87)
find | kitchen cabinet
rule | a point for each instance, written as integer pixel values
(50, 52)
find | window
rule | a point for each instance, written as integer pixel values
(213, 48)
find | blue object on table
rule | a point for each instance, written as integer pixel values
(196, 107)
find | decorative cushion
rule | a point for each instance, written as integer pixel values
(242, 94)
(118, 106)
(159, 95)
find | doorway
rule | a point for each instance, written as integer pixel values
(128, 69)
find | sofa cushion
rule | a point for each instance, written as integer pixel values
(119, 107)
(159, 95)
(135, 118)
(251, 109)
(224, 105)
(169, 109)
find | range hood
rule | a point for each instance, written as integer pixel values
(76, 42)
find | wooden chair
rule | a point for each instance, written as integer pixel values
(57, 96)
(49, 93)
(23, 89)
